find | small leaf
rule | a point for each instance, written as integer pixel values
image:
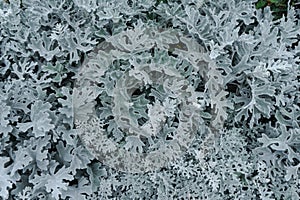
(261, 4)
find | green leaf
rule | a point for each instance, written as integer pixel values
(274, 1)
(261, 4)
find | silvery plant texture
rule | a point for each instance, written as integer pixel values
(148, 99)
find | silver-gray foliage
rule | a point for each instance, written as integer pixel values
(246, 134)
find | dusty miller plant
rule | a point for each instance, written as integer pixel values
(249, 82)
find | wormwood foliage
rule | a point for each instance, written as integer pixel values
(251, 87)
